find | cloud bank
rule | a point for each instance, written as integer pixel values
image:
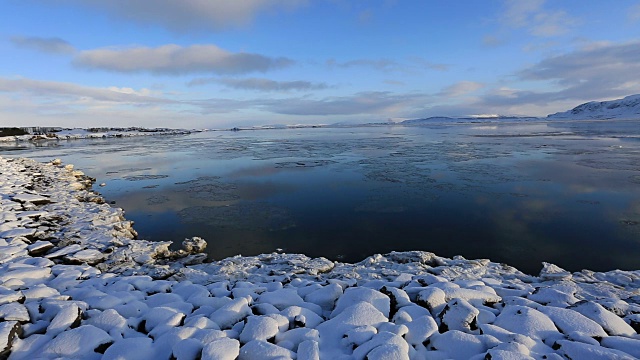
(597, 72)
(49, 89)
(260, 84)
(186, 15)
(178, 60)
(52, 45)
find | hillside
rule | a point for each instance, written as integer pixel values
(627, 108)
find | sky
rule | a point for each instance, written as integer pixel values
(219, 63)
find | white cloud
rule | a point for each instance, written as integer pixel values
(596, 72)
(537, 19)
(185, 15)
(65, 102)
(52, 45)
(177, 60)
(260, 84)
(48, 103)
(50, 89)
(461, 88)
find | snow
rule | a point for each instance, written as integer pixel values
(259, 328)
(627, 109)
(221, 349)
(79, 342)
(63, 296)
(75, 134)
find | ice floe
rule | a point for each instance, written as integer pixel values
(76, 283)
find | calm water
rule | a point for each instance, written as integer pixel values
(514, 193)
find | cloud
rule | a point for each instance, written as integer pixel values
(634, 13)
(51, 89)
(600, 71)
(369, 103)
(186, 15)
(461, 88)
(492, 40)
(365, 16)
(536, 19)
(388, 65)
(51, 45)
(260, 84)
(378, 64)
(178, 60)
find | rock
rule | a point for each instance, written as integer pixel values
(568, 321)
(9, 330)
(458, 314)
(31, 198)
(89, 256)
(82, 342)
(399, 350)
(138, 348)
(259, 328)
(609, 321)
(355, 295)
(68, 317)
(554, 272)
(222, 349)
(231, 313)
(14, 312)
(526, 321)
(194, 245)
(578, 350)
(308, 350)
(39, 247)
(262, 350)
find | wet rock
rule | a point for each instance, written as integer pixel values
(194, 245)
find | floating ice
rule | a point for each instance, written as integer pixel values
(83, 287)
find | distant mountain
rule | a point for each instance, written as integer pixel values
(627, 109)
(467, 119)
(433, 119)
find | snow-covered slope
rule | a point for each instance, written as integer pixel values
(625, 109)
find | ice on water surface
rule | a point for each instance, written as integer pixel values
(520, 193)
(99, 293)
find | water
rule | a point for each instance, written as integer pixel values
(515, 193)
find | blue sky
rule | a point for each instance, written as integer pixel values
(217, 63)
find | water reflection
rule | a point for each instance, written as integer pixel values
(519, 194)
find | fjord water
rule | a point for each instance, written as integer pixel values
(518, 193)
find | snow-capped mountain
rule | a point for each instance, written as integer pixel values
(627, 108)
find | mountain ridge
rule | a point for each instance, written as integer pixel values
(626, 108)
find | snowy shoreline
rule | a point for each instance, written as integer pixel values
(75, 283)
(77, 134)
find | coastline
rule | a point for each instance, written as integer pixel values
(75, 282)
